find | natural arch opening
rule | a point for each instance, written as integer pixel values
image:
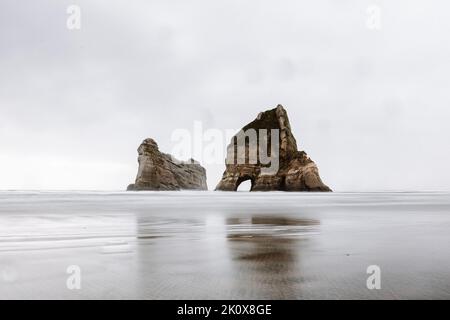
(244, 184)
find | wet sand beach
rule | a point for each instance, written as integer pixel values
(219, 245)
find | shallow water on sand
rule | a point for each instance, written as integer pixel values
(214, 245)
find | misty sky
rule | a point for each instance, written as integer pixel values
(370, 107)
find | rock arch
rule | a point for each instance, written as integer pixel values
(295, 172)
(244, 178)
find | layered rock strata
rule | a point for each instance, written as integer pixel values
(269, 137)
(160, 171)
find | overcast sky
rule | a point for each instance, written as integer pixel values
(370, 106)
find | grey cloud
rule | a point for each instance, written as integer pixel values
(370, 107)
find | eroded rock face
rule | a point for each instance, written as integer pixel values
(160, 171)
(295, 171)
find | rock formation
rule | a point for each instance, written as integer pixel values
(160, 171)
(294, 170)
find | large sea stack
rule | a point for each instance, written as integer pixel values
(160, 171)
(295, 171)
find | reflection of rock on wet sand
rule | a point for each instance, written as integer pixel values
(208, 246)
(245, 256)
(264, 227)
(266, 252)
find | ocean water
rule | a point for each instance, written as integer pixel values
(218, 245)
